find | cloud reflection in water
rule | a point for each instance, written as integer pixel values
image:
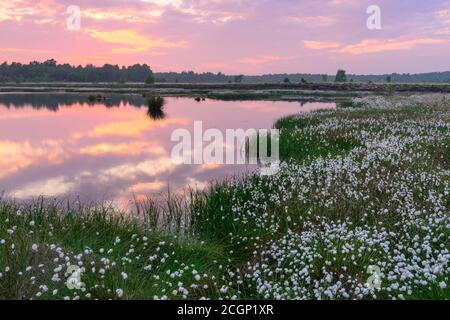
(55, 145)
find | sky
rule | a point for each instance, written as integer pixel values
(231, 36)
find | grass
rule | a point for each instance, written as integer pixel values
(97, 231)
(359, 187)
(296, 144)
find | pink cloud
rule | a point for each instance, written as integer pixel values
(383, 45)
(133, 41)
(267, 58)
(318, 45)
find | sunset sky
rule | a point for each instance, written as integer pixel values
(232, 36)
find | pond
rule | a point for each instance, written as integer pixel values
(118, 148)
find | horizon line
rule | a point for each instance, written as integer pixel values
(225, 74)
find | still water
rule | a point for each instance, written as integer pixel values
(61, 144)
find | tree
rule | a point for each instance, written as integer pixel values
(388, 79)
(238, 79)
(324, 78)
(341, 76)
(286, 80)
(150, 79)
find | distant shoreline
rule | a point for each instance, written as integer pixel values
(267, 91)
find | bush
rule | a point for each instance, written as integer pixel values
(150, 79)
(341, 76)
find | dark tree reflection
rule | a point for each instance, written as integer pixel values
(155, 106)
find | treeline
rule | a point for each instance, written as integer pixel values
(51, 71)
(192, 77)
(208, 77)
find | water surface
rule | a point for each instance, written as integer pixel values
(61, 144)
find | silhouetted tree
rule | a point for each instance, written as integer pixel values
(341, 76)
(150, 79)
(238, 79)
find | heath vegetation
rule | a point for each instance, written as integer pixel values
(360, 188)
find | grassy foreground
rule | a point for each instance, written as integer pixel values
(362, 188)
